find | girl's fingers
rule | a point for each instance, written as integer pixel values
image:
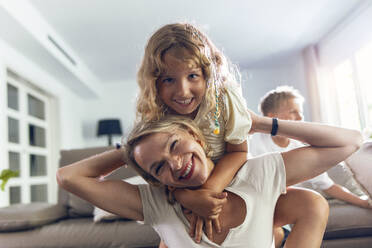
(216, 225)
(209, 229)
(199, 229)
(192, 225)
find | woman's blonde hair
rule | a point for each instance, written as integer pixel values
(143, 129)
(215, 67)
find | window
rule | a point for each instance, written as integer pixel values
(353, 90)
(363, 64)
(27, 143)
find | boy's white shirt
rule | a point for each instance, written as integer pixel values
(260, 143)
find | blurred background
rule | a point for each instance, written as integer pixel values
(66, 66)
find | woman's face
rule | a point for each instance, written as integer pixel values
(174, 158)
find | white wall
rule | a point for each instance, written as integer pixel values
(118, 101)
(70, 106)
(348, 37)
(260, 78)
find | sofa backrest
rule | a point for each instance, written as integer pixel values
(360, 164)
(76, 206)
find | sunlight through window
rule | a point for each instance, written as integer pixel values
(364, 67)
(346, 96)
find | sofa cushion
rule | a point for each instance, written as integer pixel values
(25, 216)
(360, 164)
(346, 220)
(76, 206)
(83, 233)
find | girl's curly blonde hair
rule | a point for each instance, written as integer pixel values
(214, 65)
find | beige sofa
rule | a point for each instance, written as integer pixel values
(70, 222)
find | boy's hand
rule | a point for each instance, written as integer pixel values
(203, 202)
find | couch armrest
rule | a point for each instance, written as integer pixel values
(25, 216)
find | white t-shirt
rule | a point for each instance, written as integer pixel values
(259, 183)
(234, 120)
(261, 143)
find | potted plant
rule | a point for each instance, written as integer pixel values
(5, 175)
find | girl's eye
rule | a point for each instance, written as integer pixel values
(194, 75)
(167, 80)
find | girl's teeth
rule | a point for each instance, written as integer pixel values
(184, 101)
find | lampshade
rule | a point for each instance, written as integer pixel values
(109, 127)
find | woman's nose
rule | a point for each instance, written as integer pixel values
(175, 163)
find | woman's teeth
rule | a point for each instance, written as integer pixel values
(187, 171)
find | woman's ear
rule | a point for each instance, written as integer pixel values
(196, 138)
(171, 188)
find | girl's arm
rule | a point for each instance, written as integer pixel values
(328, 146)
(208, 201)
(83, 179)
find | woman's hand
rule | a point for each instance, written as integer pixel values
(255, 118)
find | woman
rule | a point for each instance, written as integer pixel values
(170, 154)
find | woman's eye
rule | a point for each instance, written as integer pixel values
(173, 145)
(158, 168)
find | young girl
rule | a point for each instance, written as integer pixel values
(183, 73)
(161, 152)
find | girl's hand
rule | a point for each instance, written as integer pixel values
(196, 227)
(203, 202)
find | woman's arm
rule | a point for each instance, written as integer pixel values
(328, 146)
(83, 179)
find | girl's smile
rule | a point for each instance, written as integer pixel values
(182, 87)
(176, 159)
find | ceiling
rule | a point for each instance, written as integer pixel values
(105, 39)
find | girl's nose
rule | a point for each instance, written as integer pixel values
(183, 88)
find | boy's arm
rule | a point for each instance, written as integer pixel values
(339, 192)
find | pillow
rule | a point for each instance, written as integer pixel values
(25, 216)
(100, 215)
(341, 175)
(360, 163)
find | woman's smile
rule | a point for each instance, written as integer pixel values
(176, 158)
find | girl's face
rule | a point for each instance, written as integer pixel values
(182, 87)
(175, 159)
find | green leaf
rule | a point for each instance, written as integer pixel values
(6, 175)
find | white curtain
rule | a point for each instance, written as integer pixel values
(312, 75)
